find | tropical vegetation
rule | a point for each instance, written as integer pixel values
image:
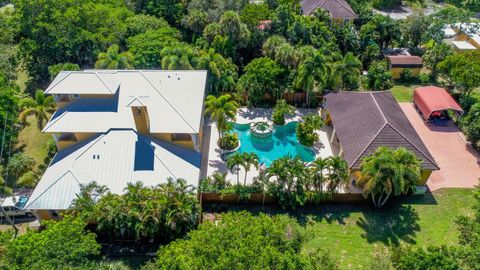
(243, 241)
(163, 213)
(389, 172)
(280, 110)
(306, 129)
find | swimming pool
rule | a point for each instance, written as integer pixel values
(282, 143)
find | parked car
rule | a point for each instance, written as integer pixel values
(13, 207)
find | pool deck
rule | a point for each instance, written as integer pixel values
(213, 162)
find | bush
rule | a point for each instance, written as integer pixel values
(306, 130)
(280, 110)
(424, 78)
(28, 179)
(214, 183)
(379, 77)
(429, 258)
(229, 141)
(406, 75)
(240, 240)
(61, 245)
(164, 212)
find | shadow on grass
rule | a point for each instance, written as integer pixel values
(396, 222)
(390, 225)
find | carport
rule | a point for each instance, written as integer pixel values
(433, 102)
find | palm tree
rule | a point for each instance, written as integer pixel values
(221, 109)
(290, 176)
(113, 59)
(285, 55)
(319, 168)
(234, 162)
(87, 198)
(387, 172)
(310, 72)
(271, 45)
(41, 107)
(338, 173)
(349, 68)
(221, 72)
(178, 57)
(249, 159)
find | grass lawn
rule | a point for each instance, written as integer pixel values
(353, 233)
(33, 142)
(403, 93)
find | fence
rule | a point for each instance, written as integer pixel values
(260, 198)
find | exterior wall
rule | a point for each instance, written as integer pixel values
(45, 215)
(396, 72)
(95, 96)
(463, 37)
(63, 144)
(167, 137)
(424, 175)
(142, 121)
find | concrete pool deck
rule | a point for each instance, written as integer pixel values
(214, 163)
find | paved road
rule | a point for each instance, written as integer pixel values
(459, 163)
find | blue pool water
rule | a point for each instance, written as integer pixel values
(282, 143)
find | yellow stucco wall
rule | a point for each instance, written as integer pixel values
(43, 215)
(397, 72)
(167, 137)
(63, 144)
(424, 175)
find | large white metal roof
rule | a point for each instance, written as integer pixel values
(113, 159)
(174, 101)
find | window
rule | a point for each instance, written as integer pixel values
(180, 137)
(54, 214)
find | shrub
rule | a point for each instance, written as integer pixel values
(164, 212)
(240, 240)
(62, 245)
(214, 183)
(424, 78)
(280, 110)
(406, 75)
(306, 130)
(28, 179)
(379, 77)
(229, 141)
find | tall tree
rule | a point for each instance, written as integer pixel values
(222, 73)
(262, 77)
(434, 54)
(113, 59)
(349, 69)
(177, 57)
(463, 70)
(389, 172)
(57, 31)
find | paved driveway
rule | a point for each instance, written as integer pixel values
(459, 163)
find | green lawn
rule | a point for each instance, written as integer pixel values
(33, 142)
(403, 93)
(352, 233)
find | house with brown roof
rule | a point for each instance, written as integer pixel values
(339, 10)
(398, 63)
(364, 121)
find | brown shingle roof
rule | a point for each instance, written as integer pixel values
(338, 9)
(405, 61)
(363, 121)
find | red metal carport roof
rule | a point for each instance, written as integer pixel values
(431, 98)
